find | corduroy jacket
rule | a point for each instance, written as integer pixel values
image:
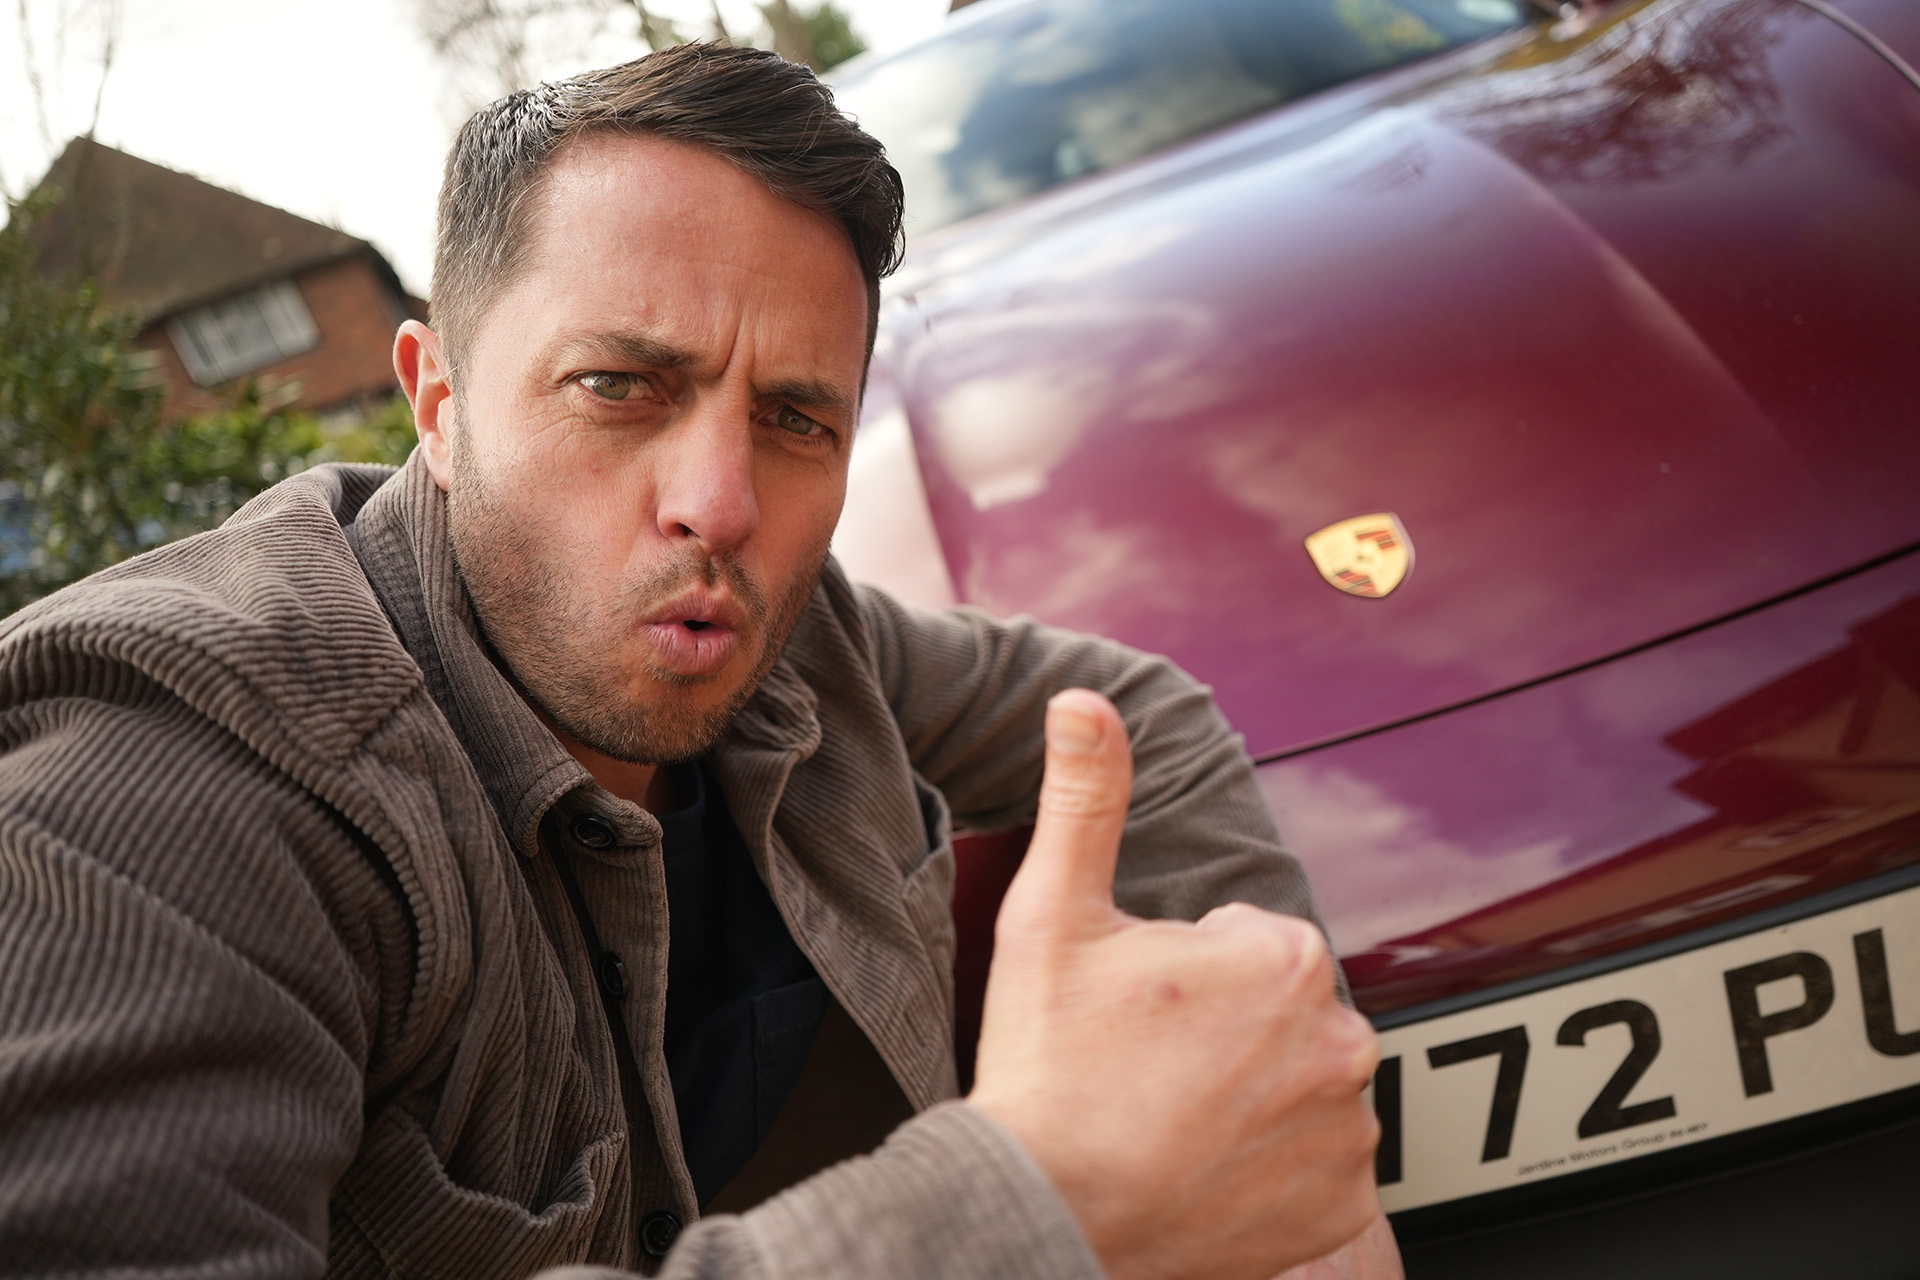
(290, 985)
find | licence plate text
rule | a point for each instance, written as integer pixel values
(1779, 1023)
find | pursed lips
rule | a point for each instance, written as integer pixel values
(694, 634)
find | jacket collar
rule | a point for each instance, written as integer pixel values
(401, 537)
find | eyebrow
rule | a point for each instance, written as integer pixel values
(811, 393)
(627, 347)
(624, 347)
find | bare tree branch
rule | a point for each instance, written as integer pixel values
(791, 39)
(35, 84)
(499, 39)
(109, 41)
(656, 33)
(509, 41)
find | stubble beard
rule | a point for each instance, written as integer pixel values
(565, 652)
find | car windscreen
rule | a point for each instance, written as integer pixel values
(1023, 98)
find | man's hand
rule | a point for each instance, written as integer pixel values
(1193, 1090)
(1372, 1255)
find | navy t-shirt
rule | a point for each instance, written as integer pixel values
(743, 1002)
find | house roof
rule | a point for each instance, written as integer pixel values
(156, 241)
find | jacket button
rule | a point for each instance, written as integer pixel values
(613, 976)
(658, 1231)
(592, 832)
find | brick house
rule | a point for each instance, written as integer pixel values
(226, 287)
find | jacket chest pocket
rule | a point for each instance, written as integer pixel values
(398, 1213)
(928, 891)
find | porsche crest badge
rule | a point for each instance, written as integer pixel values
(1365, 556)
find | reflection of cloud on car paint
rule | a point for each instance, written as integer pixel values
(1087, 561)
(1121, 247)
(1663, 683)
(1352, 835)
(1000, 436)
(1000, 428)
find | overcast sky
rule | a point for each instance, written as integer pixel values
(336, 110)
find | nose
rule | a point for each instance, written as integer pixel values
(705, 477)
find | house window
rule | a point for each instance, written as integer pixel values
(244, 332)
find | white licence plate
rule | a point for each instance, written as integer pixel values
(1760, 1028)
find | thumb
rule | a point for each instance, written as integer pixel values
(1067, 874)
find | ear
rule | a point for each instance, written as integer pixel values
(420, 363)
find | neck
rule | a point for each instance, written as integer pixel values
(648, 785)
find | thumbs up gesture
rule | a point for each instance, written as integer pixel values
(1193, 1090)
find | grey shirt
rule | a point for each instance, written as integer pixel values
(288, 985)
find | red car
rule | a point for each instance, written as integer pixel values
(1515, 417)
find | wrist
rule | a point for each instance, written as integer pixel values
(1092, 1195)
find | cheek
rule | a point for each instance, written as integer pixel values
(799, 508)
(604, 534)
(589, 506)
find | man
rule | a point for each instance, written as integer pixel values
(500, 865)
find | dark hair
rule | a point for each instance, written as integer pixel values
(770, 117)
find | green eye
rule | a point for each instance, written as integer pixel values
(609, 386)
(796, 422)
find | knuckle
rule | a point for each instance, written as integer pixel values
(1366, 1135)
(1363, 1045)
(1231, 916)
(1287, 941)
(1316, 957)
(1282, 937)
(1346, 1054)
(1307, 959)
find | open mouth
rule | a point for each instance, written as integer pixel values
(693, 646)
(694, 634)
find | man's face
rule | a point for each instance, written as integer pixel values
(650, 446)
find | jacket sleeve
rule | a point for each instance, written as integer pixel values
(970, 695)
(950, 1195)
(180, 1062)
